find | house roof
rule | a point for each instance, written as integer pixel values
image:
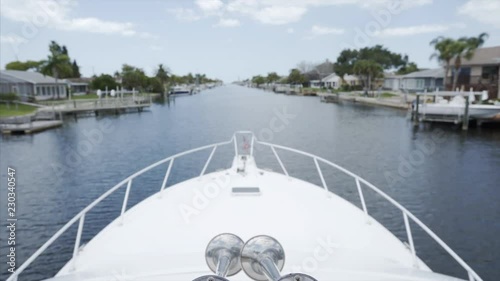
(334, 78)
(389, 75)
(428, 73)
(17, 76)
(350, 78)
(484, 56)
(331, 77)
(325, 68)
(82, 81)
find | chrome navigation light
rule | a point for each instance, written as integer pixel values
(263, 257)
(223, 254)
(223, 257)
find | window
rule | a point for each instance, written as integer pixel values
(489, 72)
(420, 83)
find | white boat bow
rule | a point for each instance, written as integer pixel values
(165, 236)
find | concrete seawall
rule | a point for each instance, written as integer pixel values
(394, 102)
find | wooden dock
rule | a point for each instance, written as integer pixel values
(51, 115)
(30, 127)
(102, 105)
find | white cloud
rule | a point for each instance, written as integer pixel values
(11, 39)
(417, 29)
(156, 48)
(147, 35)
(56, 14)
(403, 4)
(95, 25)
(319, 30)
(280, 14)
(290, 30)
(184, 14)
(210, 6)
(228, 23)
(484, 11)
(287, 11)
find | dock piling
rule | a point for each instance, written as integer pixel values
(465, 121)
(416, 121)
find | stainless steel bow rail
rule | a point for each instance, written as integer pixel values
(360, 184)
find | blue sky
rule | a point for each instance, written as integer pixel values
(231, 39)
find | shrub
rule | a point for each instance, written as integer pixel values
(345, 88)
(357, 88)
(9, 96)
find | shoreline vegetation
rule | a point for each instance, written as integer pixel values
(365, 68)
(59, 65)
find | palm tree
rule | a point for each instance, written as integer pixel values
(162, 75)
(368, 69)
(465, 48)
(444, 54)
(57, 62)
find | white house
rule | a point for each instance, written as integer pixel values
(334, 81)
(418, 81)
(29, 84)
(78, 86)
(392, 82)
(429, 79)
(315, 84)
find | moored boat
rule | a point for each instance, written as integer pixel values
(456, 106)
(180, 90)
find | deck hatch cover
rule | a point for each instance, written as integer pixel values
(246, 191)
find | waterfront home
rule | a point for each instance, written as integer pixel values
(315, 84)
(482, 72)
(78, 86)
(391, 82)
(31, 85)
(419, 81)
(334, 81)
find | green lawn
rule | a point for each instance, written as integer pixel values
(9, 111)
(387, 95)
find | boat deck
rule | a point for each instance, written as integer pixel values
(166, 235)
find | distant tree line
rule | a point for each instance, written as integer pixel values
(130, 77)
(370, 63)
(367, 63)
(60, 66)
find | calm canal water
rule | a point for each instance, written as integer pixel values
(448, 178)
